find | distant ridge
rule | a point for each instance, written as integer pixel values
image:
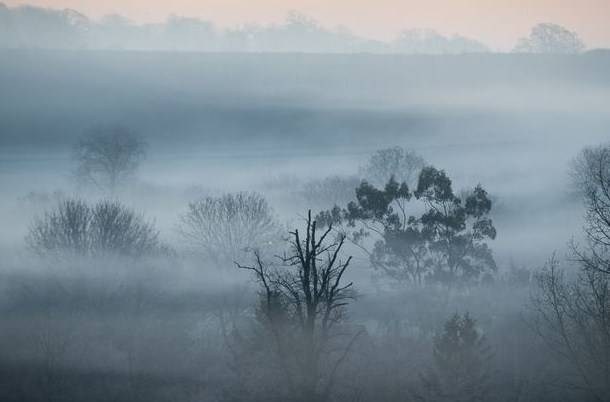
(34, 27)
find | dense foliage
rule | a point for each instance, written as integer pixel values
(441, 239)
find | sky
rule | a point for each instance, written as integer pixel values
(498, 23)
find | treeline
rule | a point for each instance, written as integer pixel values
(35, 27)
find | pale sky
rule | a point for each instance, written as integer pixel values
(497, 23)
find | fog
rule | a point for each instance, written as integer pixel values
(182, 322)
(35, 27)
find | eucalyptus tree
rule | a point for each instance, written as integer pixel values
(428, 234)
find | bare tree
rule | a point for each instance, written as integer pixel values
(573, 319)
(303, 303)
(591, 175)
(402, 164)
(573, 314)
(108, 227)
(224, 228)
(330, 191)
(550, 38)
(108, 156)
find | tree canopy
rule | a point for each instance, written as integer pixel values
(428, 234)
(550, 38)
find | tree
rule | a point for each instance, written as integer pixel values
(445, 243)
(461, 364)
(224, 228)
(330, 190)
(591, 175)
(399, 162)
(427, 41)
(303, 302)
(75, 228)
(573, 314)
(550, 38)
(573, 319)
(108, 156)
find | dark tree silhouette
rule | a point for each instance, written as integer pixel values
(445, 243)
(108, 156)
(75, 228)
(303, 302)
(461, 371)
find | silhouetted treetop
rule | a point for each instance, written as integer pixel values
(430, 233)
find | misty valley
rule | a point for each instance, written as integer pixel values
(304, 227)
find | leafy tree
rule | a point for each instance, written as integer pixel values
(461, 364)
(76, 228)
(108, 156)
(399, 162)
(550, 38)
(224, 228)
(444, 243)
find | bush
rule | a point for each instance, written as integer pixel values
(107, 227)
